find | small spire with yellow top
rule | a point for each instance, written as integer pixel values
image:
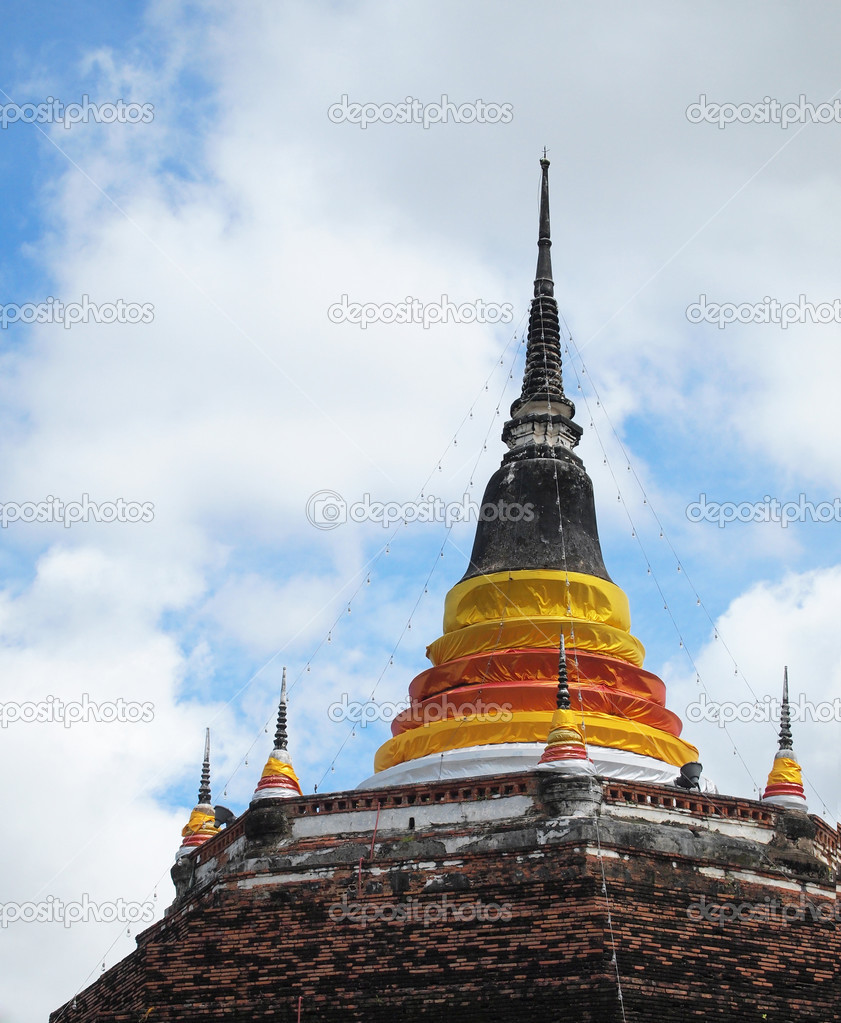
(785, 784)
(565, 751)
(202, 823)
(278, 780)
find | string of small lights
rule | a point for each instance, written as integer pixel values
(439, 554)
(364, 574)
(100, 967)
(679, 564)
(515, 341)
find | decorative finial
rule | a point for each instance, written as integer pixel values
(543, 284)
(278, 780)
(785, 782)
(202, 823)
(563, 683)
(204, 787)
(545, 151)
(565, 751)
(280, 737)
(543, 385)
(785, 716)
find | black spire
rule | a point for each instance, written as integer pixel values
(563, 684)
(280, 737)
(543, 284)
(785, 716)
(538, 510)
(204, 786)
(543, 380)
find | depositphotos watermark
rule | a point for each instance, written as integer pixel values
(769, 509)
(54, 111)
(53, 910)
(53, 509)
(769, 310)
(414, 911)
(365, 712)
(767, 111)
(326, 510)
(764, 710)
(415, 111)
(415, 311)
(52, 710)
(769, 910)
(69, 313)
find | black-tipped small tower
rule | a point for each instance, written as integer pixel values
(785, 781)
(278, 780)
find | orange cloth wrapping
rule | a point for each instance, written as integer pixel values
(599, 730)
(513, 633)
(274, 767)
(502, 699)
(539, 593)
(199, 822)
(537, 666)
(785, 772)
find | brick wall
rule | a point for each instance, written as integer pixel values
(234, 952)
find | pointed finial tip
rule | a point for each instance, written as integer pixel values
(204, 784)
(785, 716)
(281, 738)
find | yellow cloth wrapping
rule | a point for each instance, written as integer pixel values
(533, 726)
(275, 767)
(513, 633)
(539, 593)
(199, 822)
(565, 726)
(785, 772)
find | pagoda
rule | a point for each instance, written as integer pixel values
(562, 862)
(536, 572)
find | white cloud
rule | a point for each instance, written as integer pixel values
(247, 213)
(790, 622)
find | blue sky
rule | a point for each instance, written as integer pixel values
(241, 213)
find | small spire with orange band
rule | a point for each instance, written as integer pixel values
(785, 784)
(202, 823)
(565, 751)
(278, 780)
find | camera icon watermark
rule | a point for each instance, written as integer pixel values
(52, 310)
(769, 310)
(415, 111)
(365, 712)
(769, 509)
(326, 510)
(416, 911)
(53, 509)
(53, 910)
(769, 910)
(724, 712)
(412, 310)
(768, 111)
